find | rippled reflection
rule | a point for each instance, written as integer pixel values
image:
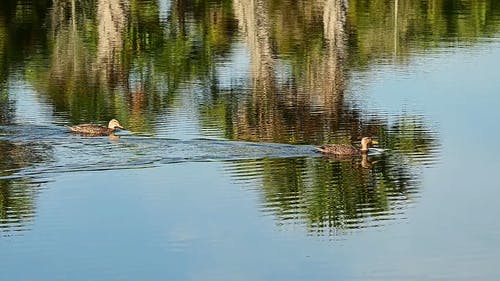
(331, 196)
(6, 107)
(276, 74)
(247, 88)
(108, 59)
(298, 184)
(17, 195)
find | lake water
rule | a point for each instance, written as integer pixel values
(216, 176)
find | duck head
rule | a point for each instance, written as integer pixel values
(113, 124)
(367, 142)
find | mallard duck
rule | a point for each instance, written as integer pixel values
(96, 130)
(347, 150)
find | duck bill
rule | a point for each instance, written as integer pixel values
(374, 142)
(120, 127)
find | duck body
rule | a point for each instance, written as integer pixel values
(347, 150)
(96, 130)
(91, 130)
(339, 149)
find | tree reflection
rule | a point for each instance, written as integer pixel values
(256, 120)
(115, 58)
(69, 62)
(112, 18)
(17, 194)
(21, 34)
(105, 54)
(130, 65)
(282, 110)
(101, 59)
(331, 195)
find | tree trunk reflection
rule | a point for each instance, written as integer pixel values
(112, 18)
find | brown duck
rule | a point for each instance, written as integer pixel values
(347, 150)
(96, 130)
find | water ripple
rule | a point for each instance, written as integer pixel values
(296, 184)
(63, 152)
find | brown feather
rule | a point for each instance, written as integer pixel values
(339, 149)
(96, 130)
(346, 150)
(91, 130)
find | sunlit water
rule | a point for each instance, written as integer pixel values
(217, 176)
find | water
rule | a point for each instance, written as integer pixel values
(217, 176)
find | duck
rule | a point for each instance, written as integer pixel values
(96, 130)
(347, 150)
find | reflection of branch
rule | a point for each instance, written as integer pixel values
(254, 22)
(112, 22)
(68, 48)
(260, 121)
(324, 79)
(70, 57)
(320, 83)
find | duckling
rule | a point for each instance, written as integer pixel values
(96, 130)
(347, 150)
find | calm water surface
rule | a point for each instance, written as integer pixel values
(216, 176)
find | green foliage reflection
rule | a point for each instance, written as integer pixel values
(332, 196)
(129, 59)
(17, 195)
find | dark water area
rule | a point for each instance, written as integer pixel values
(217, 176)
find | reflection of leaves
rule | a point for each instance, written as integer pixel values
(17, 203)
(158, 57)
(343, 194)
(20, 29)
(410, 136)
(17, 195)
(331, 195)
(418, 25)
